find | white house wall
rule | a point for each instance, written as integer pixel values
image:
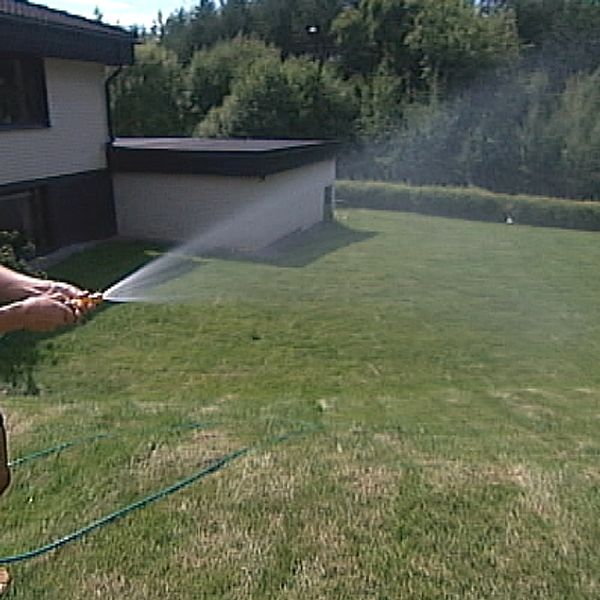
(75, 141)
(229, 212)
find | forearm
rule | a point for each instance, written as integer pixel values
(16, 286)
(39, 313)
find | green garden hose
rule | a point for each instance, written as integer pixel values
(215, 466)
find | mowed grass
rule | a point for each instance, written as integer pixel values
(443, 378)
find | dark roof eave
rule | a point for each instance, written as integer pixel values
(233, 163)
(19, 35)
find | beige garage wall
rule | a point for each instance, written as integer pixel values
(231, 212)
(78, 132)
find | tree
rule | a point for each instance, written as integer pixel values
(287, 24)
(356, 51)
(429, 44)
(383, 102)
(186, 33)
(149, 97)
(295, 99)
(235, 18)
(374, 31)
(213, 71)
(326, 106)
(443, 89)
(562, 36)
(260, 105)
(454, 42)
(575, 125)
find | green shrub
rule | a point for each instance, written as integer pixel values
(16, 250)
(470, 203)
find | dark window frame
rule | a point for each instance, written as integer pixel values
(27, 91)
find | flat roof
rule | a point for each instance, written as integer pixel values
(204, 156)
(30, 28)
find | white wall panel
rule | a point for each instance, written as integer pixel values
(231, 212)
(78, 132)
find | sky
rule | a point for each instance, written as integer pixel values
(120, 12)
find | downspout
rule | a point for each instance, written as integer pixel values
(107, 83)
(111, 139)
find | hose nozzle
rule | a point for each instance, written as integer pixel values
(87, 302)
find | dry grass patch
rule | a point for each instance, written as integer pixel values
(197, 449)
(20, 422)
(368, 482)
(270, 472)
(446, 474)
(541, 496)
(224, 543)
(112, 584)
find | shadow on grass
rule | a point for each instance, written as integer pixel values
(297, 249)
(302, 248)
(19, 354)
(99, 267)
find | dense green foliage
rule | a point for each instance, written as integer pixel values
(501, 94)
(151, 99)
(16, 250)
(517, 134)
(213, 71)
(295, 98)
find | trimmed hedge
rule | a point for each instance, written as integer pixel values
(470, 203)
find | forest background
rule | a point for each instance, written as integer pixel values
(500, 94)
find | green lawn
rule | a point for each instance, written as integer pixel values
(445, 379)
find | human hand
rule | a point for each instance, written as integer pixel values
(86, 303)
(17, 286)
(62, 288)
(46, 313)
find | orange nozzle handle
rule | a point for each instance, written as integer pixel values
(87, 302)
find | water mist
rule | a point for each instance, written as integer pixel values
(162, 279)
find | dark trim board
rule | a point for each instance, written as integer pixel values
(40, 39)
(231, 157)
(41, 31)
(77, 208)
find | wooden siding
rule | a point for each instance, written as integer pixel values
(78, 132)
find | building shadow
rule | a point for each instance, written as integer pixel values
(295, 250)
(110, 261)
(302, 248)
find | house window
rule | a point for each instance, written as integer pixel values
(23, 100)
(25, 212)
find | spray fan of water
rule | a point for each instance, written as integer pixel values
(172, 276)
(154, 281)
